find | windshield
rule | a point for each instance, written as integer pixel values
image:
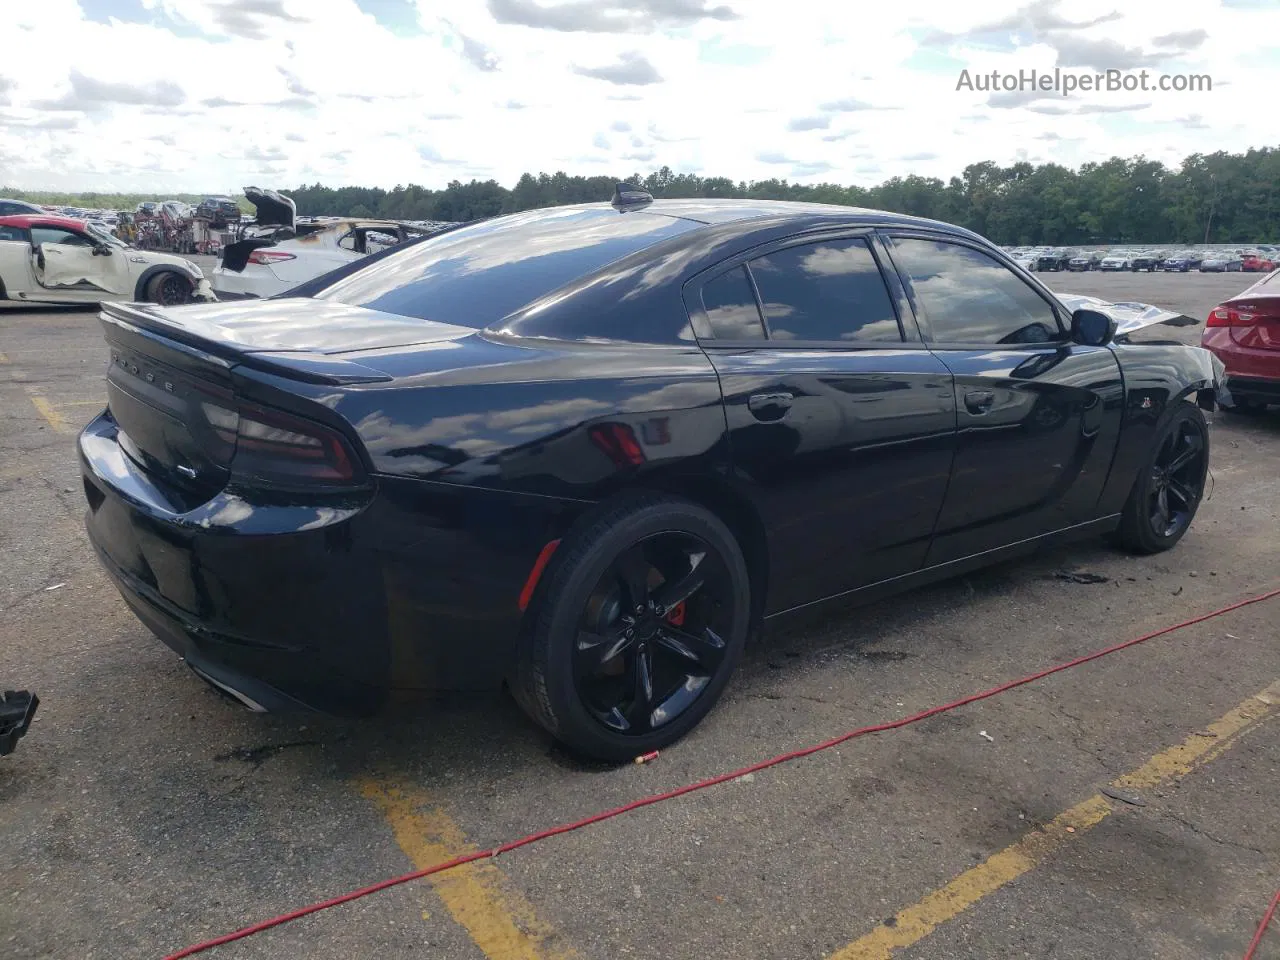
(478, 274)
(102, 236)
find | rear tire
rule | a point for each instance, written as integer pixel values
(1169, 488)
(610, 666)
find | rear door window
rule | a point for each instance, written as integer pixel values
(829, 291)
(731, 307)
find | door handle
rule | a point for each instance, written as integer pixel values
(979, 401)
(769, 406)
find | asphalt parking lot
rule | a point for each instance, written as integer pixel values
(144, 812)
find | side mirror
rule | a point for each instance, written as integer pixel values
(1090, 328)
(102, 250)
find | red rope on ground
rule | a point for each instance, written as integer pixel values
(1262, 927)
(704, 784)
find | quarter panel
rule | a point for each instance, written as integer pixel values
(577, 421)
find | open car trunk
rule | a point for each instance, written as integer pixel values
(235, 256)
(276, 219)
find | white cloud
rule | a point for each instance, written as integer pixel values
(741, 88)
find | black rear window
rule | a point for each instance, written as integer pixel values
(476, 275)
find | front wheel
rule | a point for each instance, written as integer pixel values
(1167, 493)
(641, 622)
(169, 289)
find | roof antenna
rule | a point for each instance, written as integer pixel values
(626, 196)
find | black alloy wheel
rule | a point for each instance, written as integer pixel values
(635, 627)
(170, 289)
(651, 636)
(1167, 493)
(1176, 477)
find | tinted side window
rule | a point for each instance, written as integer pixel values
(830, 290)
(13, 233)
(970, 297)
(731, 307)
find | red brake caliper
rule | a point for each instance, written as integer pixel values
(676, 616)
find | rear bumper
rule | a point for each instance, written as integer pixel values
(1257, 389)
(332, 606)
(228, 663)
(254, 281)
(1251, 373)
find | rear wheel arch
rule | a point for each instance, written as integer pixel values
(737, 513)
(543, 677)
(711, 493)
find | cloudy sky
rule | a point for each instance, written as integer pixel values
(209, 95)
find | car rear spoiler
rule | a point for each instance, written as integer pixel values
(300, 365)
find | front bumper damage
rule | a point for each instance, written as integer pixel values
(202, 292)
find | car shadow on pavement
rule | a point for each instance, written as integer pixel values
(428, 740)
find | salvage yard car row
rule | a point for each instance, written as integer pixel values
(1261, 259)
(50, 258)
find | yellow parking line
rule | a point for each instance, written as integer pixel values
(916, 922)
(50, 413)
(478, 896)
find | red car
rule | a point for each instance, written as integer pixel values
(1244, 333)
(1256, 263)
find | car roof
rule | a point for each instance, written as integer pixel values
(712, 211)
(28, 220)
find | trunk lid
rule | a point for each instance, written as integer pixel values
(1255, 319)
(155, 392)
(1254, 315)
(172, 381)
(272, 209)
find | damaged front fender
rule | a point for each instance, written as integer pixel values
(1191, 369)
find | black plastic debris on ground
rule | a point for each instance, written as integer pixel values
(17, 708)
(1075, 576)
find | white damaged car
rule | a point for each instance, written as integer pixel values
(53, 259)
(279, 250)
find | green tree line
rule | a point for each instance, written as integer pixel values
(1216, 198)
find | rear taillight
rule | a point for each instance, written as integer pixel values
(1230, 317)
(265, 258)
(1243, 315)
(277, 447)
(273, 447)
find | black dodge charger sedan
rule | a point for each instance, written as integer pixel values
(585, 450)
